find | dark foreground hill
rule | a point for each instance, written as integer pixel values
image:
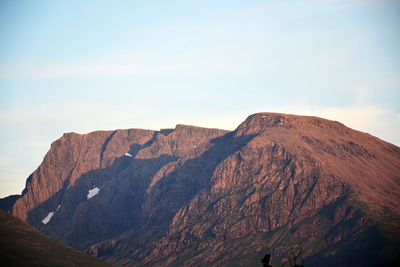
(23, 245)
(193, 196)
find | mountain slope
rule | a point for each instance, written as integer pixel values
(23, 245)
(117, 163)
(7, 202)
(298, 180)
(192, 196)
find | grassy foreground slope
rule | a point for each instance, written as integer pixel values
(23, 245)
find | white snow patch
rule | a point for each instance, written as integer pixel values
(128, 155)
(93, 192)
(48, 218)
(50, 215)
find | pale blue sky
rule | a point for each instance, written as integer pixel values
(88, 65)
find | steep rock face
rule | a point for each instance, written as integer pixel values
(191, 196)
(309, 180)
(118, 164)
(70, 157)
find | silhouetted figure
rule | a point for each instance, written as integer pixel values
(265, 261)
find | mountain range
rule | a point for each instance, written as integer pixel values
(278, 184)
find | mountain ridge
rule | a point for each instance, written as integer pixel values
(167, 197)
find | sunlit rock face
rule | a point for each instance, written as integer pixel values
(194, 196)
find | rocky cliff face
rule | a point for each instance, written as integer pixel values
(192, 196)
(116, 166)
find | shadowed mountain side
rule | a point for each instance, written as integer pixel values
(69, 158)
(192, 196)
(7, 202)
(325, 193)
(173, 192)
(116, 208)
(121, 182)
(190, 176)
(23, 245)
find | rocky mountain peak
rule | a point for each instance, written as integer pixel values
(192, 196)
(260, 122)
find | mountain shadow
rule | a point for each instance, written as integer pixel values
(23, 245)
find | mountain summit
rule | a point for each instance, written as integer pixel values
(279, 184)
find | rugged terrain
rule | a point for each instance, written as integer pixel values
(23, 245)
(193, 196)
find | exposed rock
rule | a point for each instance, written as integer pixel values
(192, 196)
(76, 163)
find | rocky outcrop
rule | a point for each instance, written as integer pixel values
(192, 196)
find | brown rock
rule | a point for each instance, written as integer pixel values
(192, 196)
